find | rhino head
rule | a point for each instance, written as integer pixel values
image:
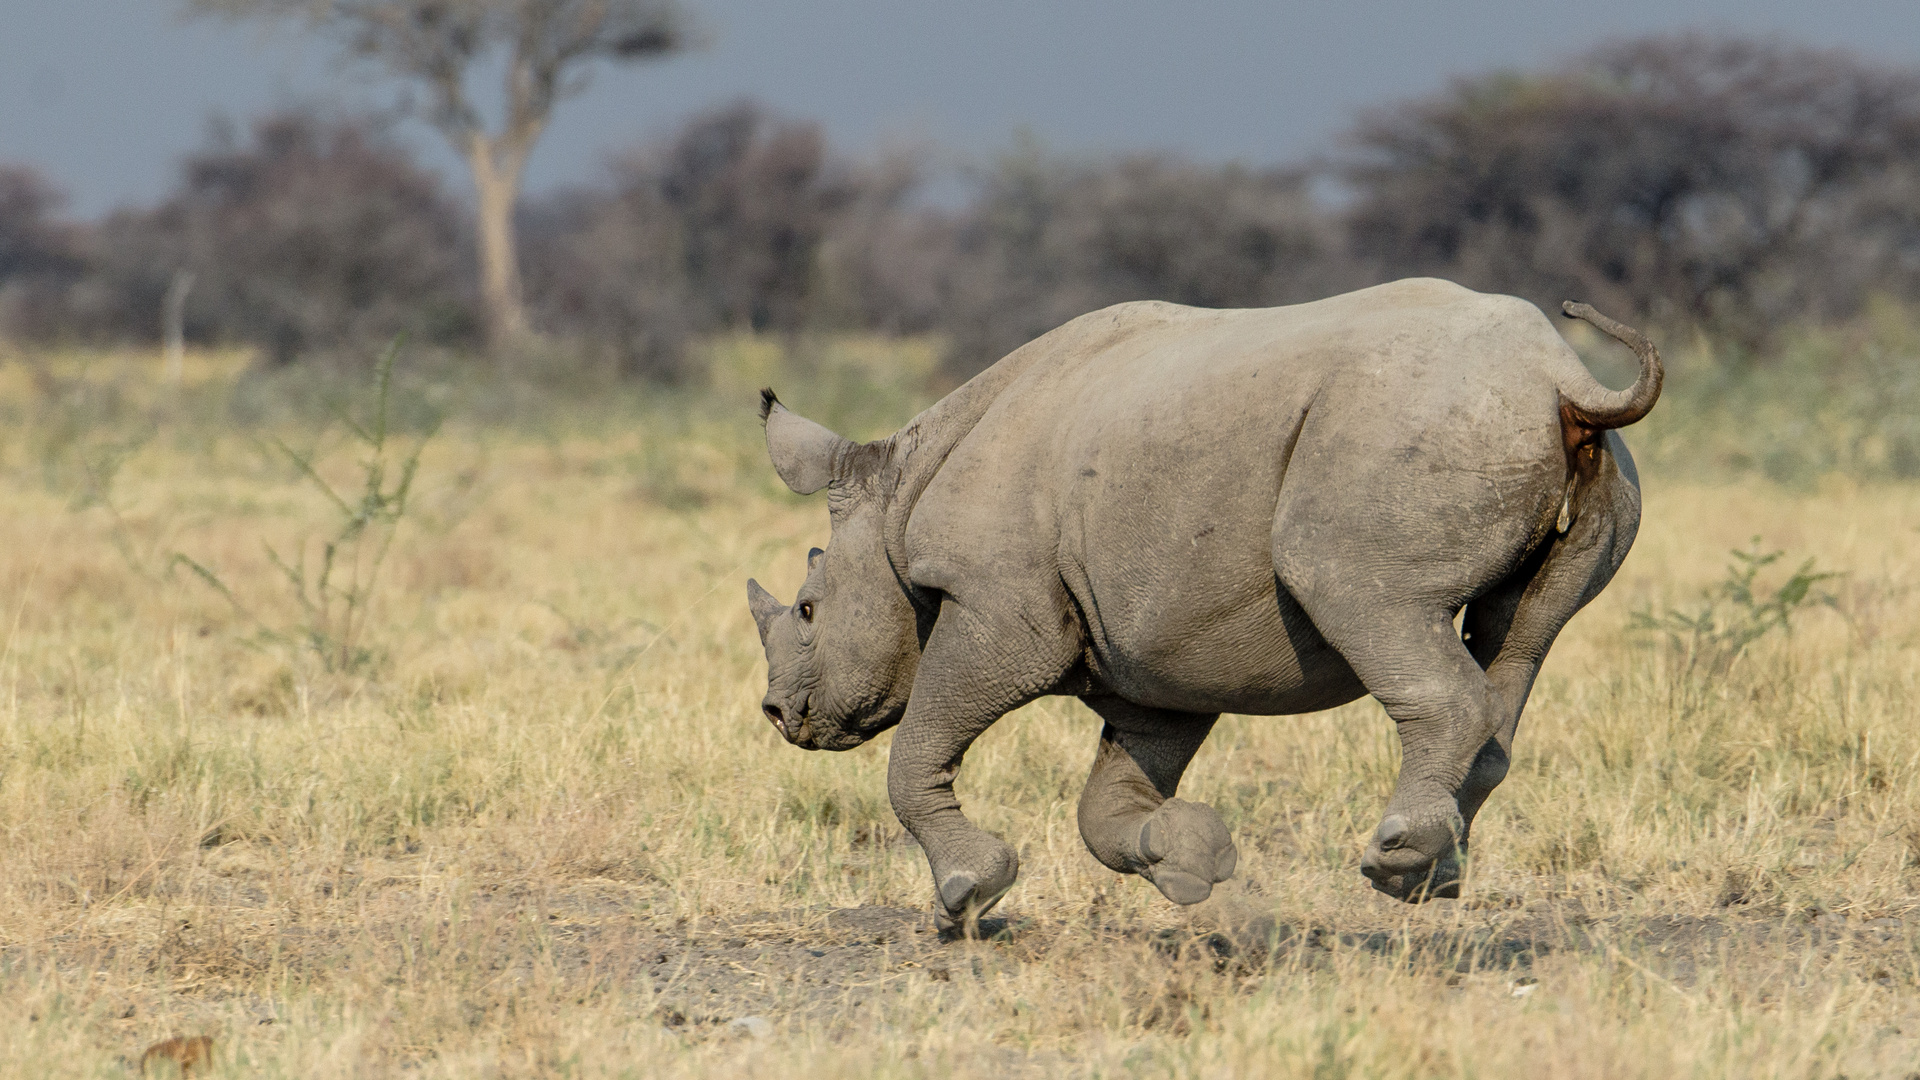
(841, 657)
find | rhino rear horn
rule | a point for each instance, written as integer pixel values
(802, 451)
(764, 607)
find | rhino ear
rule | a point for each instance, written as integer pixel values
(813, 556)
(764, 607)
(802, 451)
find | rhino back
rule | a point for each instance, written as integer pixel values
(1130, 479)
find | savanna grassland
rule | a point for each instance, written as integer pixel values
(504, 804)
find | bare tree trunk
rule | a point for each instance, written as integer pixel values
(173, 324)
(496, 165)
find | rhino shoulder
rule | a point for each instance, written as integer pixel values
(1102, 328)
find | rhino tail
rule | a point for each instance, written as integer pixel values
(1593, 407)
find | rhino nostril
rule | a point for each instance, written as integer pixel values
(774, 714)
(1392, 833)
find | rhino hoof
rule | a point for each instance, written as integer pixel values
(962, 902)
(957, 890)
(1442, 882)
(963, 896)
(1411, 867)
(1187, 850)
(1181, 888)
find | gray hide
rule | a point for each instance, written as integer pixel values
(1171, 513)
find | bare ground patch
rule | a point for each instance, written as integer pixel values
(438, 963)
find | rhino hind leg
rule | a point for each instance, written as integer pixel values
(1509, 628)
(1129, 816)
(1446, 711)
(1456, 702)
(1396, 632)
(1187, 850)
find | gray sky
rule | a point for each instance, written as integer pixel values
(106, 96)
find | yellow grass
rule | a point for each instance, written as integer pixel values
(544, 831)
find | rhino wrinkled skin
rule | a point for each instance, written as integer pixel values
(1174, 512)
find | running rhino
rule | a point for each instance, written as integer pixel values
(1173, 512)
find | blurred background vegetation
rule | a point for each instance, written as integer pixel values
(1754, 203)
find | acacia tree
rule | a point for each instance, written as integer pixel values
(437, 45)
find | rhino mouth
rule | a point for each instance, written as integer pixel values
(795, 725)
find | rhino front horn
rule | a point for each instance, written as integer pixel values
(764, 607)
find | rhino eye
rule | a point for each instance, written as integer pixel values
(806, 610)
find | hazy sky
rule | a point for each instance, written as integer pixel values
(106, 96)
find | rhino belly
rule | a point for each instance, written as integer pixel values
(1262, 660)
(1209, 643)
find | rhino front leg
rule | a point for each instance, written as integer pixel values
(972, 869)
(1129, 816)
(973, 671)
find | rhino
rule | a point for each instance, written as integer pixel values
(1173, 512)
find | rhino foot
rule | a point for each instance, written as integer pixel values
(963, 896)
(1415, 863)
(1187, 850)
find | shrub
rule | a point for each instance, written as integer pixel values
(1048, 239)
(1727, 183)
(317, 234)
(38, 256)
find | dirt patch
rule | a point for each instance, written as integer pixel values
(488, 956)
(811, 966)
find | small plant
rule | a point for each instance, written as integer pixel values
(100, 472)
(334, 593)
(1734, 613)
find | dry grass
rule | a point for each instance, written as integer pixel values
(543, 829)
